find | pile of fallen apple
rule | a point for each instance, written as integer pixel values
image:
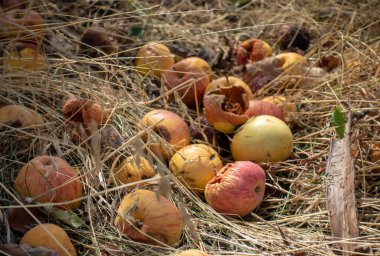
(226, 104)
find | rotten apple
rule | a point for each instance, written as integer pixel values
(49, 236)
(50, 179)
(294, 38)
(191, 76)
(262, 139)
(132, 169)
(282, 102)
(225, 102)
(95, 42)
(84, 111)
(146, 217)
(192, 252)
(287, 60)
(19, 116)
(252, 50)
(11, 4)
(169, 126)
(258, 108)
(22, 23)
(22, 56)
(237, 189)
(195, 165)
(154, 58)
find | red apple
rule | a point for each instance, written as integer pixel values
(146, 217)
(237, 189)
(258, 107)
(49, 179)
(225, 102)
(192, 75)
(171, 127)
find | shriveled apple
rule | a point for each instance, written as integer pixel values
(146, 217)
(374, 153)
(49, 179)
(95, 41)
(237, 189)
(252, 50)
(258, 108)
(132, 169)
(11, 4)
(294, 38)
(51, 237)
(192, 252)
(195, 165)
(192, 75)
(171, 127)
(22, 23)
(225, 102)
(24, 56)
(262, 139)
(84, 111)
(282, 102)
(154, 58)
(19, 116)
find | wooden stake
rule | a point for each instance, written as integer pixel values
(341, 202)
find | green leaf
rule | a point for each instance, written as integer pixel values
(338, 122)
(136, 31)
(240, 2)
(67, 217)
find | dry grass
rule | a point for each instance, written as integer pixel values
(293, 219)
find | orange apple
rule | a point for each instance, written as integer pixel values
(195, 165)
(49, 179)
(225, 102)
(193, 72)
(146, 217)
(252, 50)
(24, 56)
(171, 127)
(287, 60)
(154, 58)
(49, 236)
